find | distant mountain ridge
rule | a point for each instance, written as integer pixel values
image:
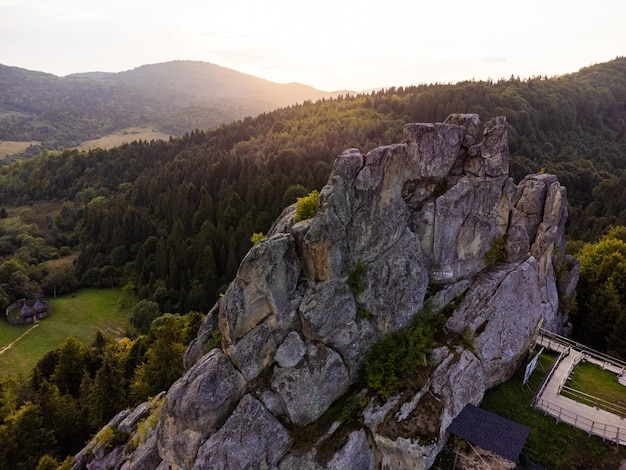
(173, 97)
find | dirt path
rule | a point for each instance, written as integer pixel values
(10, 345)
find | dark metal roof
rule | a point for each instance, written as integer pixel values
(490, 431)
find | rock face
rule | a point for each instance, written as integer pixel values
(435, 221)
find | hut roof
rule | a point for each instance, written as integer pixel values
(26, 309)
(39, 305)
(490, 431)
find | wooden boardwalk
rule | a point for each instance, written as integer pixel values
(590, 419)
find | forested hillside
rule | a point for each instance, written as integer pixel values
(174, 219)
(173, 97)
(170, 222)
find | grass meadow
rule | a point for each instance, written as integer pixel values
(11, 147)
(593, 380)
(80, 315)
(121, 137)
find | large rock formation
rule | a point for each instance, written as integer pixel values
(435, 221)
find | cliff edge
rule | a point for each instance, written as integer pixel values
(430, 226)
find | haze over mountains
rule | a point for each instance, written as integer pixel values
(173, 97)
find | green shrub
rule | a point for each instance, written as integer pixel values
(356, 277)
(306, 207)
(257, 237)
(65, 250)
(467, 338)
(497, 253)
(352, 411)
(364, 313)
(143, 427)
(111, 438)
(399, 355)
(215, 341)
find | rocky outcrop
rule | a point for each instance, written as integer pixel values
(432, 224)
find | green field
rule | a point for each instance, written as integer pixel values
(80, 315)
(592, 380)
(121, 137)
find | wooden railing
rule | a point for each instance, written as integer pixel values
(605, 431)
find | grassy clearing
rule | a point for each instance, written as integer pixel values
(593, 380)
(124, 136)
(81, 316)
(22, 218)
(550, 444)
(12, 147)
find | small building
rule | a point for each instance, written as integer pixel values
(494, 441)
(27, 311)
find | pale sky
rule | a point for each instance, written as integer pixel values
(331, 45)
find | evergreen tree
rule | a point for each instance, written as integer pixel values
(107, 393)
(24, 438)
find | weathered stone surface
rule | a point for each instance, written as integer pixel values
(321, 246)
(457, 381)
(146, 457)
(300, 461)
(265, 280)
(291, 352)
(196, 349)
(271, 400)
(403, 266)
(308, 389)
(250, 438)
(196, 405)
(495, 147)
(356, 454)
(446, 296)
(141, 411)
(326, 307)
(426, 415)
(284, 222)
(432, 148)
(255, 351)
(466, 220)
(472, 124)
(530, 202)
(503, 316)
(379, 213)
(517, 244)
(352, 342)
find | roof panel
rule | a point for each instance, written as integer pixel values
(490, 431)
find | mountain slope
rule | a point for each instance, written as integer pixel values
(174, 97)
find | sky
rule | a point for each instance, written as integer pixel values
(328, 44)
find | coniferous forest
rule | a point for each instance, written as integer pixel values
(171, 221)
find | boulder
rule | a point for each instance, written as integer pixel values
(250, 438)
(502, 332)
(356, 454)
(266, 279)
(310, 387)
(196, 405)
